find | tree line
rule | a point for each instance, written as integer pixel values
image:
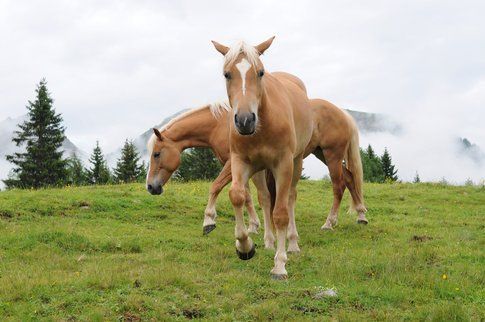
(42, 163)
(378, 168)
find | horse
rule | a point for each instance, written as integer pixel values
(335, 139)
(271, 125)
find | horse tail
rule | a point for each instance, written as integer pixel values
(271, 184)
(354, 165)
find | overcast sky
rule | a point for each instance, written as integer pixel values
(115, 68)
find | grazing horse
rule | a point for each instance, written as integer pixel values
(203, 127)
(271, 125)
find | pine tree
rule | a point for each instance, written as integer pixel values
(42, 136)
(127, 168)
(76, 173)
(198, 164)
(387, 167)
(416, 179)
(99, 171)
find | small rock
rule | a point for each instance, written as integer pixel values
(329, 292)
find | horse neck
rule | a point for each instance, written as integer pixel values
(192, 130)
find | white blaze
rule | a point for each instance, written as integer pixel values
(243, 66)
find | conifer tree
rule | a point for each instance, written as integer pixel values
(143, 172)
(370, 152)
(387, 167)
(371, 165)
(416, 179)
(198, 164)
(99, 171)
(40, 137)
(127, 168)
(76, 173)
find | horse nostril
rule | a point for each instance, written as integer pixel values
(236, 119)
(150, 187)
(253, 116)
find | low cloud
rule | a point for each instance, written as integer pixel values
(116, 68)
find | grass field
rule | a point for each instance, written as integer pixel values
(116, 252)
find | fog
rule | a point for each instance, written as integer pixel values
(116, 68)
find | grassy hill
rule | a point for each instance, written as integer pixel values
(116, 252)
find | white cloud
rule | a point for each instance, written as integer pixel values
(117, 67)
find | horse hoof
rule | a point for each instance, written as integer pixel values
(293, 249)
(362, 221)
(326, 227)
(279, 277)
(246, 256)
(207, 229)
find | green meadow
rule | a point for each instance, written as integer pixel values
(118, 253)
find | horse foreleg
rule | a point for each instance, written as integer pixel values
(240, 175)
(283, 174)
(210, 213)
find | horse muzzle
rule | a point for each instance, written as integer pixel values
(155, 189)
(245, 123)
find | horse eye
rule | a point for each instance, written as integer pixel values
(227, 75)
(261, 73)
(156, 154)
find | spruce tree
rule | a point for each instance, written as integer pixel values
(76, 173)
(371, 165)
(99, 171)
(198, 164)
(143, 172)
(127, 168)
(387, 167)
(416, 179)
(370, 152)
(40, 137)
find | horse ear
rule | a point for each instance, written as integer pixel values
(261, 48)
(220, 48)
(158, 134)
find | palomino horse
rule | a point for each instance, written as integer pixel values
(271, 125)
(203, 127)
(335, 138)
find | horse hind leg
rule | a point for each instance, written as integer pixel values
(357, 201)
(338, 187)
(292, 233)
(210, 213)
(264, 199)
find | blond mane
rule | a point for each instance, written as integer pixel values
(216, 109)
(251, 53)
